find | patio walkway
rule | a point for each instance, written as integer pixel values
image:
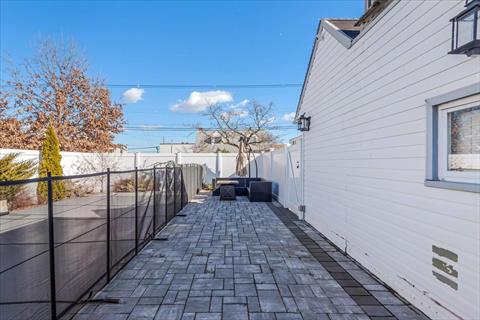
(242, 260)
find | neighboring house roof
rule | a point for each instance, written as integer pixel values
(174, 147)
(346, 32)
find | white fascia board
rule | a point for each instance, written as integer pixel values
(341, 37)
(345, 40)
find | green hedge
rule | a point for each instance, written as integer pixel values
(50, 162)
(13, 169)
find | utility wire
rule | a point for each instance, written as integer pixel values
(199, 86)
(207, 86)
(152, 126)
(187, 129)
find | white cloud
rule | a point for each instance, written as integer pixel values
(241, 104)
(289, 116)
(225, 115)
(133, 95)
(239, 110)
(241, 113)
(199, 101)
(238, 113)
(268, 121)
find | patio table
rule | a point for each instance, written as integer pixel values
(227, 189)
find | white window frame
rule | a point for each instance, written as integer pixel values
(468, 176)
(432, 104)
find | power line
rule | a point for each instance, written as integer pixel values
(191, 129)
(195, 127)
(207, 86)
(161, 110)
(186, 130)
(199, 86)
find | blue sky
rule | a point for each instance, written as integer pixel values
(181, 42)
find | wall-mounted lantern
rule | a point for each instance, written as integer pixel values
(466, 30)
(303, 123)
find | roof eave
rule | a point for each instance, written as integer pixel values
(341, 37)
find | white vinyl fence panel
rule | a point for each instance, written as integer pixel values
(281, 166)
(214, 164)
(294, 194)
(279, 163)
(284, 168)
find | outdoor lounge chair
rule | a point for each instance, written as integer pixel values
(256, 189)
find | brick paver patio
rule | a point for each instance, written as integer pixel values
(238, 260)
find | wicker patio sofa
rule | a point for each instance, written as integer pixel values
(256, 189)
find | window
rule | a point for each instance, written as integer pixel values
(453, 148)
(459, 140)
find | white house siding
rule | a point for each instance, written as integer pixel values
(365, 155)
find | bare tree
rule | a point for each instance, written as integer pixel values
(97, 162)
(250, 124)
(11, 133)
(54, 88)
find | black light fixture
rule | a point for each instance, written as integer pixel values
(303, 123)
(466, 30)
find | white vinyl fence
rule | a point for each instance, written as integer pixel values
(282, 166)
(214, 164)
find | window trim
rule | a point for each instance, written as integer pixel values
(432, 166)
(443, 173)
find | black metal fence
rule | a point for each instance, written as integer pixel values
(55, 254)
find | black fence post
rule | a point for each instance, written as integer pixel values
(108, 225)
(136, 210)
(51, 248)
(195, 186)
(197, 179)
(154, 199)
(166, 194)
(192, 181)
(174, 191)
(181, 187)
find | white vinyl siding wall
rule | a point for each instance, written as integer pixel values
(366, 151)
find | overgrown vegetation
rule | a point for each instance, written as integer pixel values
(50, 162)
(145, 183)
(13, 169)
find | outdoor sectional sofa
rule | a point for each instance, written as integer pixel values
(256, 189)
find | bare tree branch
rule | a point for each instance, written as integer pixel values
(250, 123)
(53, 88)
